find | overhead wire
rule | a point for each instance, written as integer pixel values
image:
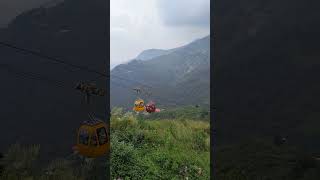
(155, 96)
(53, 59)
(57, 60)
(41, 78)
(60, 61)
(33, 76)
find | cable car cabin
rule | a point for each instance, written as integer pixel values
(151, 107)
(139, 105)
(93, 139)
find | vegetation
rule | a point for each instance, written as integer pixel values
(23, 163)
(167, 145)
(172, 144)
(181, 113)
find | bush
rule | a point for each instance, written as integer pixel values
(187, 112)
(159, 149)
(19, 162)
(200, 141)
(22, 163)
(125, 161)
(59, 169)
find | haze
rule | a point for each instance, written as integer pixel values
(144, 24)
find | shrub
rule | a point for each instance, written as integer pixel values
(153, 147)
(125, 161)
(59, 169)
(19, 162)
(200, 141)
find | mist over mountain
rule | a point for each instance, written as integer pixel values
(152, 53)
(37, 110)
(175, 77)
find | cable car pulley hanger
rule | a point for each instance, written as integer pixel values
(93, 137)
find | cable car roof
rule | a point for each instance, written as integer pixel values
(92, 122)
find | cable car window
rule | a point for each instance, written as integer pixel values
(102, 135)
(93, 140)
(83, 137)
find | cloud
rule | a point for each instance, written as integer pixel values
(122, 20)
(139, 25)
(184, 13)
(118, 30)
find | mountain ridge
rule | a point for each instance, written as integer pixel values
(168, 74)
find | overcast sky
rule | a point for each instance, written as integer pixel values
(137, 25)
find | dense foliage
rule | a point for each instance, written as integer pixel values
(185, 112)
(21, 162)
(159, 147)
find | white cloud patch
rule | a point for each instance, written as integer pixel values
(144, 24)
(184, 13)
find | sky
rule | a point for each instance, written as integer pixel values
(162, 24)
(137, 25)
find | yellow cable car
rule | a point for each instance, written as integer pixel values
(139, 105)
(93, 139)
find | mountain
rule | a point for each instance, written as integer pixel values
(38, 110)
(266, 71)
(173, 77)
(152, 53)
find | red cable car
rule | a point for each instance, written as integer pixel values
(151, 107)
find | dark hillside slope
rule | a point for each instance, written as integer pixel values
(179, 77)
(266, 76)
(38, 112)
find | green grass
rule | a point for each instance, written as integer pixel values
(172, 144)
(22, 163)
(144, 147)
